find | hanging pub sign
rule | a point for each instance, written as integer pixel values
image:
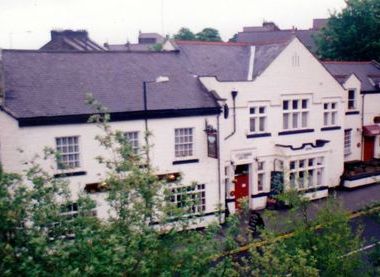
(212, 143)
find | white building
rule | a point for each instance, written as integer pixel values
(43, 105)
(286, 114)
(273, 109)
(362, 120)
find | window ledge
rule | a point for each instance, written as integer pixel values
(70, 174)
(260, 194)
(330, 128)
(189, 161)
(259, 135)
(352, 112)
(292, 132)
(313, 189)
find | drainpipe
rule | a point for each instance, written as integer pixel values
(146, 122)
(362, 137)
(219, 169)
(234, 93)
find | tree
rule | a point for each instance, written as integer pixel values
(185, 34)
(208, 34)
(353, 34)
(317, 247)
(233, 38)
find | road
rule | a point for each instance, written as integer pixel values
(350, 200)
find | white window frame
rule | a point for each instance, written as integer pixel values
(195, 192)
(261, 176)
(352, 103)
(184, 143)
(330, 114)
(306, 173)
(295, 118)
(133, 138)
(71, 210)
(347, 141)
(65, 151)
(258, 119)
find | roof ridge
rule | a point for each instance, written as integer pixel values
(37, 51)
(347, 62)
(222, 43)
(278, 31)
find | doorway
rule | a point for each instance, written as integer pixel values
(241, 184)
(369, 148)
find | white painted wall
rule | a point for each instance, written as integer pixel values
(32, 140)
(371, 110)
(354, 121)
(278, 82)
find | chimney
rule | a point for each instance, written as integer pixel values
(319, 23)
(80, 34)
(270, 26)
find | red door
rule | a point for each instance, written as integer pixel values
(241, 188)
(369, 148)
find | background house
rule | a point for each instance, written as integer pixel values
(69, 40)
(270, 32)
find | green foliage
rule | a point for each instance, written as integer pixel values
(276, 260)
(318, 246)
(157, 47)
(233, 38)
(208, 34)
(185, 34)
(375, 260)
(353, 34)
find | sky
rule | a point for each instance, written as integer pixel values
(26, 24)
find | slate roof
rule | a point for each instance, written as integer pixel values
(261, 37)
(227, 61)
(129, 47)
(69, 40)
(158, 37)
(368, 73)
(45, 84)
(147, 41)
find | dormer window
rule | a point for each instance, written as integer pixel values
(351, 104)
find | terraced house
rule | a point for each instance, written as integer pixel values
(231, 117)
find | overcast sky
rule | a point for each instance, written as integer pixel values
(27, 23)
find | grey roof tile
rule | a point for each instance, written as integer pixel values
(228, 61)
(55, 83)
(367, 72)
(260, 37)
